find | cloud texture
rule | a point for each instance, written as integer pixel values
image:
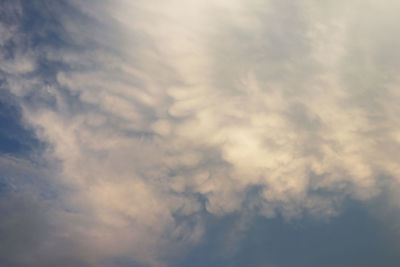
(158, 113)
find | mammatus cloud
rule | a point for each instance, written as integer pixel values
(160, 112)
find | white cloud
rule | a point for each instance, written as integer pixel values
(170, 100)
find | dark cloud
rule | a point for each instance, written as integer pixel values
(352, 239)
(31, 234)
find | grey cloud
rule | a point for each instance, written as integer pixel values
(31, 235)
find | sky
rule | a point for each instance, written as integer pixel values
(199, 133)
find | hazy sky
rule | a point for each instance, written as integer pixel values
(199, 133)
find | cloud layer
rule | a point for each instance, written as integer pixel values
(158, 113)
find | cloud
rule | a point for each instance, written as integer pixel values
(161, 112)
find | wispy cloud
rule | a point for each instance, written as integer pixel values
(160, 113)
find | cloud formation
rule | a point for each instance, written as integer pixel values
(156, 113)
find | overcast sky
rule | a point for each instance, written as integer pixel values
(199, 133)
